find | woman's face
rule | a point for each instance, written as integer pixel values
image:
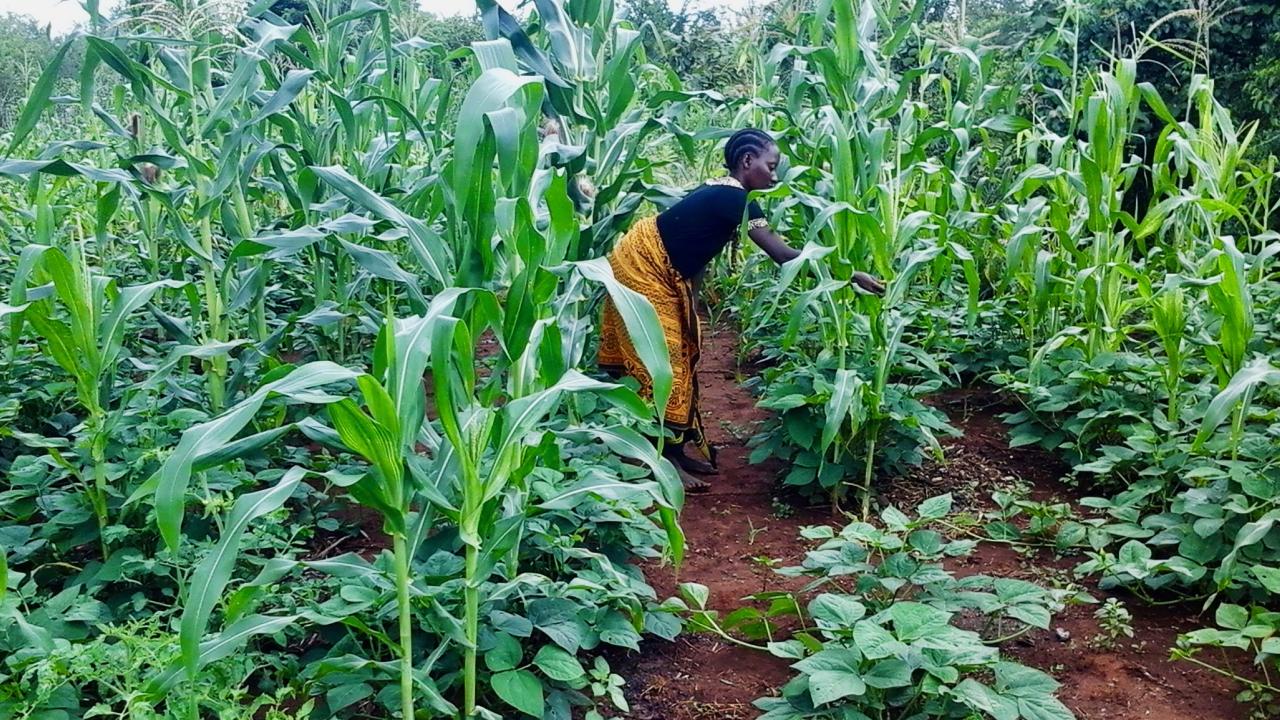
(759, 169)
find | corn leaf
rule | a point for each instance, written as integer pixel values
(1260, 371)
(209, 437)
(213, 573)
(38, 100)
(642, 325)
(218, 646)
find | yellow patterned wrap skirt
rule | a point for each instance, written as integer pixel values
(640, 262)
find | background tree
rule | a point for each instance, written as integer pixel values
(25, 48)
(696, 44)
(1235, 42)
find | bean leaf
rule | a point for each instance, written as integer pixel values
(521, 690)
(558, 664)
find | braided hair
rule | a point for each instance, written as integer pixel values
(749, 141)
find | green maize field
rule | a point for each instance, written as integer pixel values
(300, 415)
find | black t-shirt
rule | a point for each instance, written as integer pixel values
(698, 227)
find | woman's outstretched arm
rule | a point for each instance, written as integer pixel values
(780, 252)
(772, 244)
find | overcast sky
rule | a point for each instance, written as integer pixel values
(64, 14)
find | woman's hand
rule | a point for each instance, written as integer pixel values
(867, 283)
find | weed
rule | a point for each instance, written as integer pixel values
(1114, 621)
(781, 509)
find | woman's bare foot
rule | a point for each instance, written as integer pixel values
(688, 464)
(691, 483)
(696, 466)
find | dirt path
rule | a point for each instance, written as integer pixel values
(734, 527)
(729, 530)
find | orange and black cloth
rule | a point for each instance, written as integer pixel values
(659, 258)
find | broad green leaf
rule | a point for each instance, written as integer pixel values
(913, 620)
(345, 695)
(1020, 681)
(630, 444)
(1269, 577)
(558, 664)
(521, 690)
(38, 98)
(889, 673)
(1044, 707)
(894, 518)
(789, 649)
(1134, 552)
(210, 437)
(511, 624)
(826, 686)
(836, 611)
(210, 577)
(875, 642)
(558, 619)
(984, 699)
(1232, 617)
(696, 594)
(935, 508)
(830, 657)
(505, 653)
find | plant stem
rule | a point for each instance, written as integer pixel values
(1229, 674)
(866, 477)
(406, 625)
(471, 599)
(216, 367)
(1016, 634)
(97, 452)
(711, 624)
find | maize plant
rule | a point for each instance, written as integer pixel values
(87, 345)
(600, 131)
(1123, 294)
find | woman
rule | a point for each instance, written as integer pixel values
(663, 258)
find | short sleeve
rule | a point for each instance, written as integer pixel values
(755, 216)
